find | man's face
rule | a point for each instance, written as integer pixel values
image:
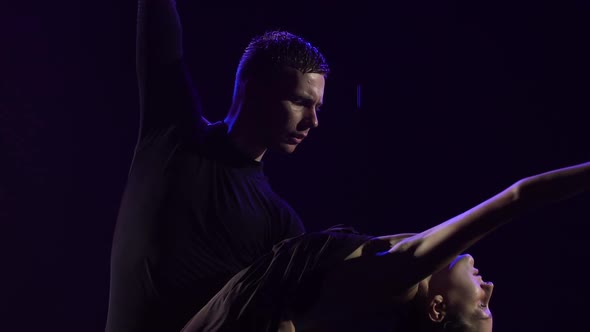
(465, 293)
(290, 109)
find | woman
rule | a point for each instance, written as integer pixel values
(338, 280)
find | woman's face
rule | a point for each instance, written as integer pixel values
(464, 292)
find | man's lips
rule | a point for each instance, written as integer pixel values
(296, 139)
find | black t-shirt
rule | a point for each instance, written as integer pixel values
(277, 286)
(194, 212)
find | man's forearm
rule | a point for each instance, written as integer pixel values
(159, 33)
(167, 95)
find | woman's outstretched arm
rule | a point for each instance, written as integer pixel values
(431, 250)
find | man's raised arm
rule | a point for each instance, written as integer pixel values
(167, 96)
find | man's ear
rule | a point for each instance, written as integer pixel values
(437, 309)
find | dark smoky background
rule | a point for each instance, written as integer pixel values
(431, 108)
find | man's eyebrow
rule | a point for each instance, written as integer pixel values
(307, 99)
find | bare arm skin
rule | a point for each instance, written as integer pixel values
(373, 281)
(431, 250)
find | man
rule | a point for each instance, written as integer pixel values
(197, 207)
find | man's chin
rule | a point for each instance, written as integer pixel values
(286, 148)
